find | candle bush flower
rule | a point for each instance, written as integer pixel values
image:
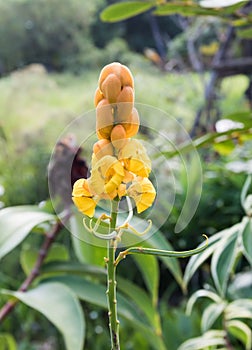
(120, 165)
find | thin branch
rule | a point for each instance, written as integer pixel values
(43, 252)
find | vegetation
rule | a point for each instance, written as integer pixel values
(53, 284)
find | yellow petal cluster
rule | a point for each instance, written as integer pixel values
(143, 193)
(83, 199)
(120, 165)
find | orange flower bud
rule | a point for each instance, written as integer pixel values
(126, 77)
(118, 136)
(103, 148)
(121, 71)
(104, 119)
(124, 103)
(98, 96)
(132, 126)
(111, 87)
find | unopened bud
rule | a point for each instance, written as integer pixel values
(125, 101)
(103, 148)
(111, 87)
(118, 136)
(98, 97)
(104, 119)
(132, 126)
(121, 71)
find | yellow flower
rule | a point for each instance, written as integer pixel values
(106, 176)
(82, 197)
(143, 193)
(135, 159)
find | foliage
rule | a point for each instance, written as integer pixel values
(54, 33)
(127, 9)
(220, 289)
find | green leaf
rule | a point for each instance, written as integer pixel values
(156, 240)
(90, 253)
(247, 241)
(240, 331)
(210, 338)
(245, 33)
(241, 117)
(58, 303)
(224, 148)
(223, 261)
(197, 260)
(29, 256)
(241, 308)
(141, 299)
(7, 342)
(16, 223)
(202, 141)
(96, 294)
(70, 267)
(184, 9)
(125, 10)
(244, 192)
(202, 293)
(241, 286)
(210, 315)
(150, 271)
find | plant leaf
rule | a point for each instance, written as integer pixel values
(156, 240)
(70, 267)
(241, 331)
(58, 303)
(186, 9)
(150, 271)
(16, 223)
(213, 242)
(125, 10)
(241, 286)
(240, 308)
(245, 33)
(224, 148)
(210, 338)
(244, 191)
(7, 342)
(141, 298)
(223, 261)
(197, 260)
(210, 315)
(96, 294)
(247, 241)
(29, 255)
(202, 293)
(90, 253)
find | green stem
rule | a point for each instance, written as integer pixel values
(111, 276)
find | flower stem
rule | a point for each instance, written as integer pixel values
(111, 278)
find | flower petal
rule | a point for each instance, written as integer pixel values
(135, 158)
(143, 193)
